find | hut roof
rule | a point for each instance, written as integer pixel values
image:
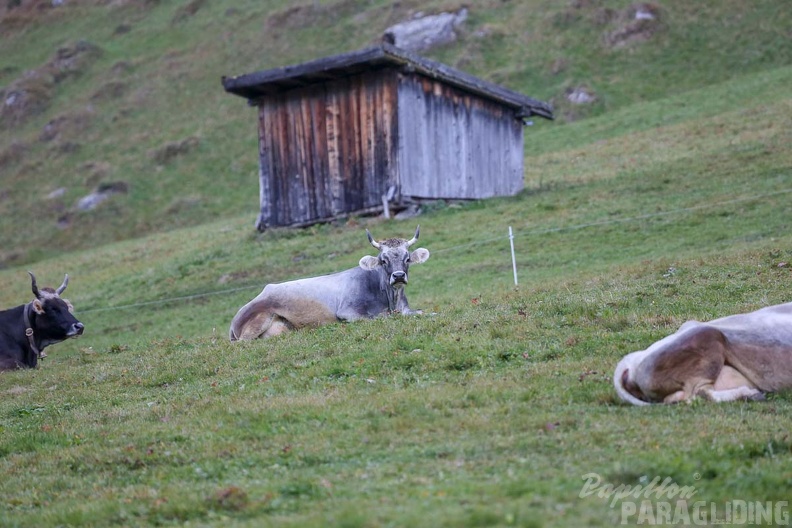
(254, 86)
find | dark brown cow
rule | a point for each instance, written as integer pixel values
(25, 331)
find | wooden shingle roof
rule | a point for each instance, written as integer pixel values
(257, 85)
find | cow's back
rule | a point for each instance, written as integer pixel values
(346, 295)
(760, 345)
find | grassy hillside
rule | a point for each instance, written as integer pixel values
(667, 200)
(488, 413)
(128, 93)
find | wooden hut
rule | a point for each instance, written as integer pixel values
(377, 129)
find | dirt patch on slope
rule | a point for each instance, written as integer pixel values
(172, 150)
(635, 24)
(30, 94)
(638, 23)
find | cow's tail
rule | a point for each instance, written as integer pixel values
(621, 376)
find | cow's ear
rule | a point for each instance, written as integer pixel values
(419, 255)
(368, 262)
(38, 307)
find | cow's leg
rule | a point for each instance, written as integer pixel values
(684, 367)
(739, 393)
(254, 326)
(278, 325)
(732, 385)
(675, 397)
(731, 378)
(260, 325)
(251, 321)
(9, 363)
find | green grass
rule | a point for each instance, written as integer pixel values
(670, 202)
(486, 413)
(489, 412)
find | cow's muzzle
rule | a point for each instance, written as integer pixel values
(75, 330)
(398, 278)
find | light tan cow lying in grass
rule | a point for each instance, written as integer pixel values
(736, 357)
(373, 288)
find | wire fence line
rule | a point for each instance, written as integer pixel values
(167, 300)
(508, 237)
(646, 216)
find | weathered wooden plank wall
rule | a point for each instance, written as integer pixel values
(454, 144)
(327, 149)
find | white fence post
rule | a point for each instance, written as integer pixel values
(514, 261)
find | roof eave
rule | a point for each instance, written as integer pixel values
(252, 85)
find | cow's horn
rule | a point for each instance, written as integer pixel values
(33, 285)
(371, 239)
(414, 239)
(63, 286)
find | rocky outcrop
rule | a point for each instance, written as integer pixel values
(425, 31)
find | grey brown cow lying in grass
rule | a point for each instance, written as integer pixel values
(375, 287)
(25, 331)
(737, 357)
